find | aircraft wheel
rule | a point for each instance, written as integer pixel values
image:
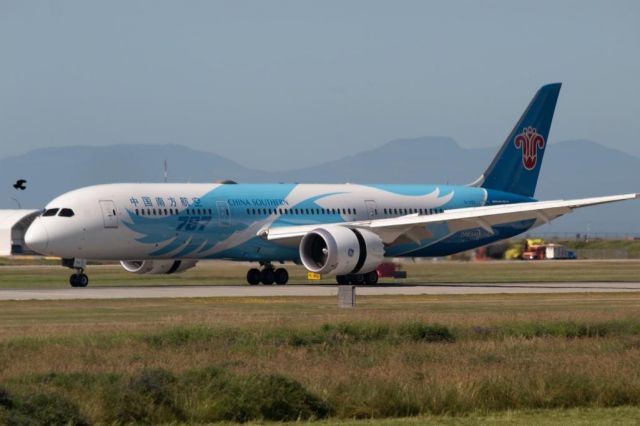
(79, 280)
(342, 279)
(356, 279)
(267, 276)
(253, 276)
(83, 280)
(371, 278)
(281, 276)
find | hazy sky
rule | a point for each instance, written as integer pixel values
(292, 83)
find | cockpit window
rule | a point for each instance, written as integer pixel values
(66, 213)
(50, 212)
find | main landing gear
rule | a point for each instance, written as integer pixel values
(79, 278)
(369, 278)
(268, 275)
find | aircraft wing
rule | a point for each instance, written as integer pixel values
(457, 219)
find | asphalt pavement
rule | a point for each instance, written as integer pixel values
(313, 290)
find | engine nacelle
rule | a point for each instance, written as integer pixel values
(169, 266)
(337, 250)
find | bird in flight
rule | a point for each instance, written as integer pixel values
(20, 184)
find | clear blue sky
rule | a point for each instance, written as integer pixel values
(275, 83)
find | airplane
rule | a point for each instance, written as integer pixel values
(341, 230)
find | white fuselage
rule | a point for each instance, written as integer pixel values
(196, 221)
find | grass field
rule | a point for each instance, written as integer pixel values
(492, 359)
(217, 272)
(564, 417)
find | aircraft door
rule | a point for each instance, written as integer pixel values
(109, 215)
(224, 213)
(372, 209)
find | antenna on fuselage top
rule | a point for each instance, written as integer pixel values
(166, 171)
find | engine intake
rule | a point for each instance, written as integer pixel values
(169, 266)
(338, 250)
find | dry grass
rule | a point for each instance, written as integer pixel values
(506, 352)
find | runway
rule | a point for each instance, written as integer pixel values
(311, 290)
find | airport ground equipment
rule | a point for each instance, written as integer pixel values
(346, 296)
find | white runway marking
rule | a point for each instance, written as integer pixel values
(311, 290)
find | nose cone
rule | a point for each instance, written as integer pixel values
(36, 237)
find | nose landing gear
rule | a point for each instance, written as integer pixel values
(79, 278)
(268, 275)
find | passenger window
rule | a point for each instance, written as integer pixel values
(50, 212)
(66, 213)
(137, 212)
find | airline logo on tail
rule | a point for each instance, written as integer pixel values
(530, 141)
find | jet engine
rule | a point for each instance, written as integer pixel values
(168, 266)
(337, 250)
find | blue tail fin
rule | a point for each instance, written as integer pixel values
(516, 167)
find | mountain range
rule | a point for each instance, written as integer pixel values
(571, 169)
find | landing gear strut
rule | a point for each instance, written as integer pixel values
(79, 278)
(268, 275)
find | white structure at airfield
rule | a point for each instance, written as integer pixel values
(13, 226)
